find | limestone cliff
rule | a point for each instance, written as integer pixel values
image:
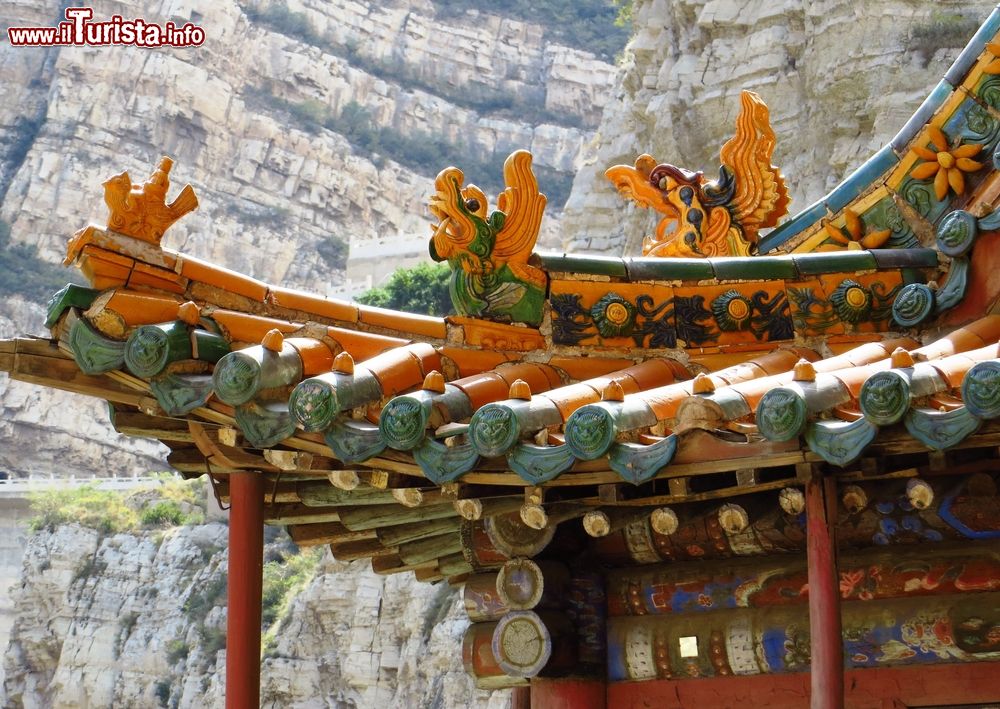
(138, 620)
(840, 77)
(256, 120)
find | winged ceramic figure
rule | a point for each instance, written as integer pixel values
(488, 251)
(142, 211)
(720, 218)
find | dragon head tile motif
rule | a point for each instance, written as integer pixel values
(488, 251)
(720, 218)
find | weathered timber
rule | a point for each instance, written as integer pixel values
(480, 598)
(325, 533)
(432, 548)
(360, 549)
(418, 497)
(375, 516)
(454, 565)
(403, 533)
(523, 584)
(509, 537)
(427, 575)
(274, 492)
(320, 494)
(477, 657)
(134, 423)
(525, 644)
(392, 564)
(477, 508)
(602, 522)
(295, 513)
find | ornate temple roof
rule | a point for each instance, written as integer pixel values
(674, 401)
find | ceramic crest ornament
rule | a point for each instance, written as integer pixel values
(720, 218)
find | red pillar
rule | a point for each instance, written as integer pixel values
(246, 568)
(520, 698)
(569, 693)
(827, 680)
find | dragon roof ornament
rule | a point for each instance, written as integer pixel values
(720, 218)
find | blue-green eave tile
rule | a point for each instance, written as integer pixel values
(69, 296)
(812, 264)
(941, 430)
(354, 441)
(444, 464)
(669, 269)
(94, 353)
(579, 263)
(638, 463)
(754, 267)
(938, 95)
(953, 290)
(539, 464)
(840, 442)
(265, 425)
(905, 258)
(793, 227)
(974, 48)
(861, 179)
(180, 394)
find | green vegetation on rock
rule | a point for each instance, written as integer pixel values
(172, 503)
(424, 153)
(599, 26)
(23, 272)
(421, 289)
(284, 578)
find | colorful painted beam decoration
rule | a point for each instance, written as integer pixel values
(592, 444)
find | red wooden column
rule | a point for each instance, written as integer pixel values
(246, 569)
(826, 645)
(569, 693)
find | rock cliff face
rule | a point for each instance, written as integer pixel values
(256, 119)
(49, 432)
(840, 78)
(137, 620)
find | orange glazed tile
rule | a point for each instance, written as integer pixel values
(579, 368)
(499, 336)
(104, 269)
(475, 361)
(645, 375)
(664, 401)
(402, 368)
(571, 397)
(482, 389)
(210, 274)
(953, 369)
(988, 328)
(868, 352)
(240, 327)
(855, 377)
(407, 323)
(138, 308)
(362, 345)
(540, 377)
(159, 278)
(315, 355)
(313, 304)
(961, 340)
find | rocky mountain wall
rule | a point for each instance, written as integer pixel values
(138, 620)
(841, 77)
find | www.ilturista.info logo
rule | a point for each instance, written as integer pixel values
(78, 30)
